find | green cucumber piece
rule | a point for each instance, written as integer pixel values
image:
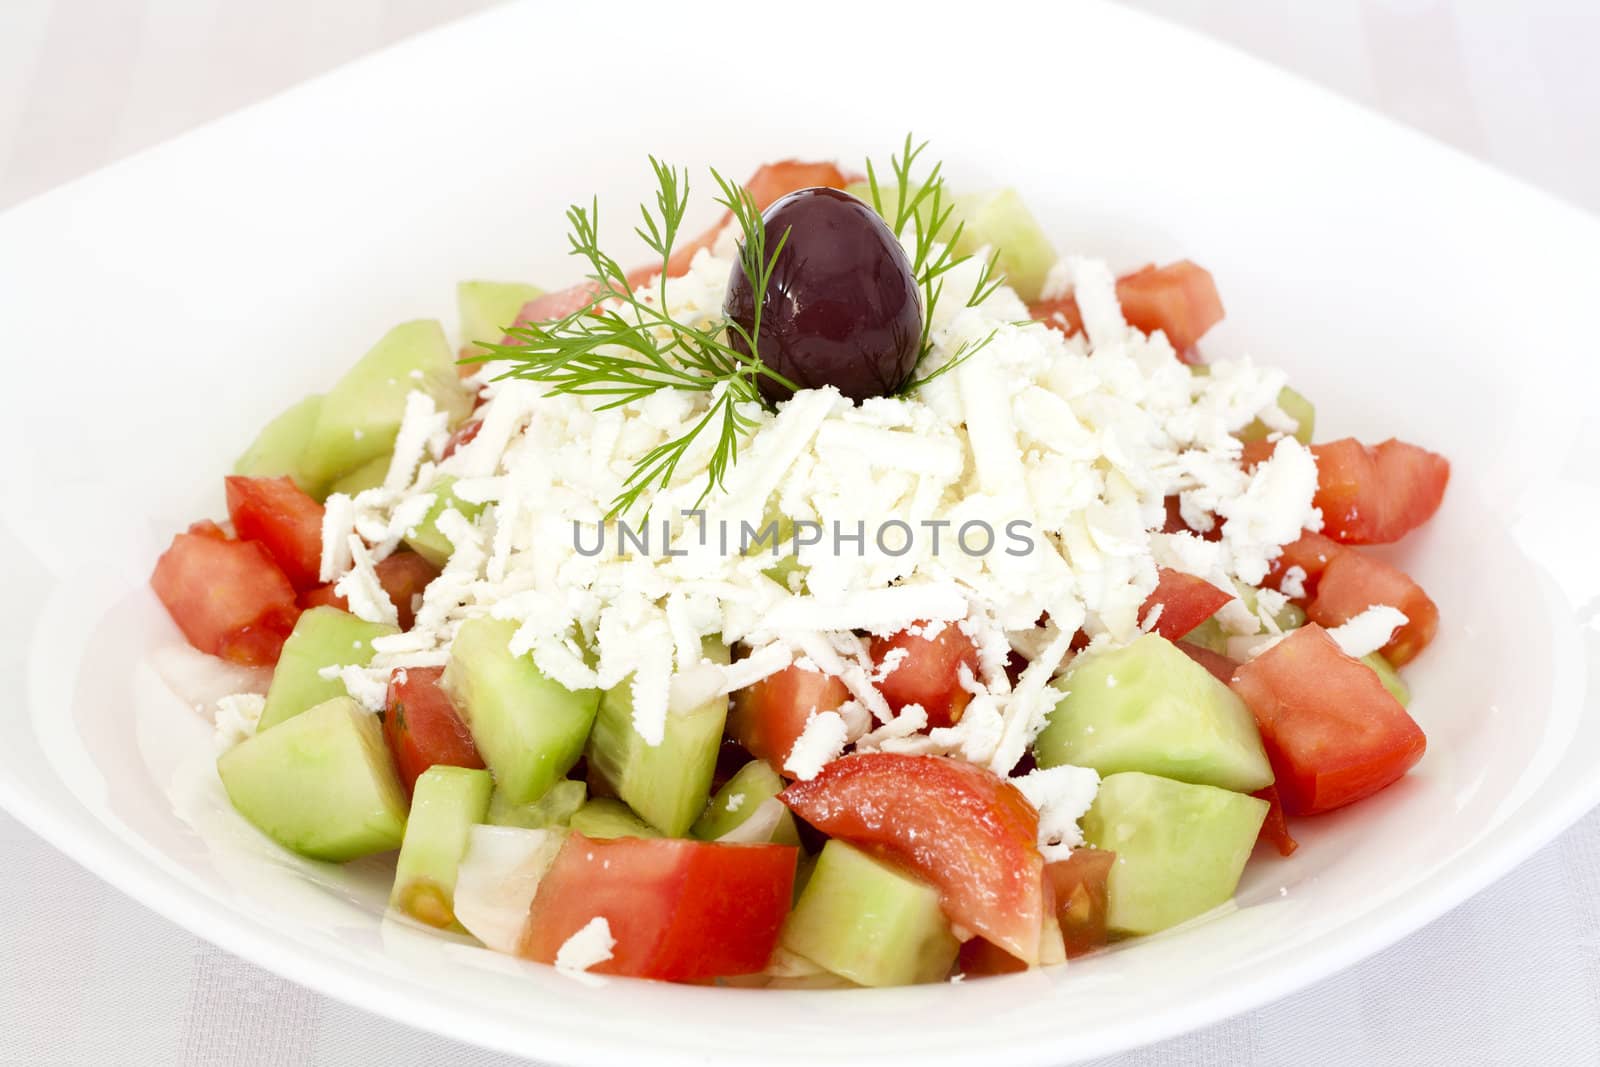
(864, 920)
(322, 784)
(369, 475)
(445, 805)
(1003, 222)
(1294, 405)
(667, 784)
(277, 449)
(322, 637)
(1180, 847)
(889, 198)
(604, 817)
(530, 729)
(1148, 707)
(1211, 635)
(360, 416)
(425, 538)
(487, 308)
(1390, 677)
(731, 807)
(552, 811)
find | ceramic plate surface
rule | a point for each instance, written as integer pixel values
(155, 314)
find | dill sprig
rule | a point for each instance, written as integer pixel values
(624, 348)
(930, 210)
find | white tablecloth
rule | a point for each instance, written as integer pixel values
(88, 977)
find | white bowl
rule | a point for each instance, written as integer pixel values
(155, 314)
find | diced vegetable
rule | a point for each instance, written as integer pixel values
(1001, 222)
(603, 818)
(768, 717)
(552, 811)
(1275, 830)
(1149, 707)
(927, 671)
(744, 795)
(446, 804)
(1355, 581)
(1179, 299)
(1079, 886)
(1220, 666)
(1180, 847)
(1390, 677)
(1376, 495)
(1179, 603)
(1311, 553)
(425, 538)
(864, 920)
(1294, 405)
(487, 308)
(323, 637)
(528, 728)
(422, 727)
(321, 784)
(1334, 733)
(369, 475)
(403, 576)
(279, 516)
(498, 878)
(678, 910)
(228, 597)
(668, 783)
(969, 832)
(277, 449)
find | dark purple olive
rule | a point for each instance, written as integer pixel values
(842, 308)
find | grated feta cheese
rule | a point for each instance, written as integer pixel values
(819, 744)
(591, 945)
(1293, 582)
(236, 719)
(1369, 631)
(1062, 795)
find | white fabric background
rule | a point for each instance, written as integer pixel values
(86, 976)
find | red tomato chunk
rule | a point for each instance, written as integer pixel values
(928, 671)
(968, 832)
(1376, 495)
(682, 911)
(283, 519)
(768, 717)
(1079, 885)
(1355, 581)
(228, 597)
(1179, 299)
(1332, 731)
(1184, 602)
(422, 727)
(403, 576)
(1275, 830)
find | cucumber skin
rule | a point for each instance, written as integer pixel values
(863, 920)
(1180, 847)
(322, 637)
(529, 729)
(446, 803)
(322, 784)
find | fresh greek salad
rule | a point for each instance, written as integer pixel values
(858, 593)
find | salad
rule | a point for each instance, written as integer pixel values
(857, 594)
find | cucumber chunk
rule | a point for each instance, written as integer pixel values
(425, 538)
(1148, 707)
(369, 475)
(742, 796)
(1294, 405)
(360, 416)
(1180, 847)
(529, 729)
(604, 817)
(667, 784)
(1001, 221)
(552, 811)
(1390, 677)
(866, 921)
(487, 308)
(889, 200)
(322, 784)
(277, 448)
(446, 804)
(322, 637)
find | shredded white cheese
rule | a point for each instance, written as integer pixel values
(590, 946)
(819, 744)
(1369, 631)
(1062, 795)
(236, 718)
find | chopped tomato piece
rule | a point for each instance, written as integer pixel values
(981, 958)
(969, 832)
(207, 528)
(1079, 885)
(1220, 666)
(228, 597)
(1275, 830)
(927, 671)
(679, 910)
(768, 717)
(1179, 603)
(1311, 553)
(1377, 495)
(1355, 581)
(769, 184)
(283, 519)
(556, 305)
(403, 576)
(422, 727)
(1179, 299)
(464, 435)
(1332, 731)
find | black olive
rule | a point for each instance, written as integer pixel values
(842, 308)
